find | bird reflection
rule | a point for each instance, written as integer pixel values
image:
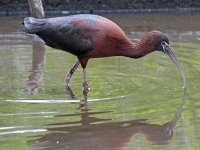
(38, 59)
(94, 133)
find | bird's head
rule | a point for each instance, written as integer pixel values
(156, 41)
(160, 42)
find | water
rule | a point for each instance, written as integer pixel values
(133, 104)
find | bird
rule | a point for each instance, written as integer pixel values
(89, 36)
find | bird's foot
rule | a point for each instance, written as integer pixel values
(67, 84)
(69, 92)
(86, 88)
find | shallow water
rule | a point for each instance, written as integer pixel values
(133, 104)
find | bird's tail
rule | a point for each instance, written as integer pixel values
(32, 25)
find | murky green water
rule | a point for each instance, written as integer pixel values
(133, 104)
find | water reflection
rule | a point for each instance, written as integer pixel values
(100, 134)
(93, 135)
(38, 58)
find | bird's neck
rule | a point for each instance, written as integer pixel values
(139, 49)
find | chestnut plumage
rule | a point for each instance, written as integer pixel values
(91, 36)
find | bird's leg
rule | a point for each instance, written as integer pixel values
(70, 73)
(69, 92)
(86, 88)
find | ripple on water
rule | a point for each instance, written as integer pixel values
(43, 101)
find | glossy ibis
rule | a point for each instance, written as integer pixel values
(91, 36)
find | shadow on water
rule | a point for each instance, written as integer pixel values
(100, 134)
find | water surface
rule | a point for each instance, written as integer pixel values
(133, 104)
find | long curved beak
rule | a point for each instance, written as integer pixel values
(171, 54)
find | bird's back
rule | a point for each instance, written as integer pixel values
(77, 34)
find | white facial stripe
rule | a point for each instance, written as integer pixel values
(164, 44)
